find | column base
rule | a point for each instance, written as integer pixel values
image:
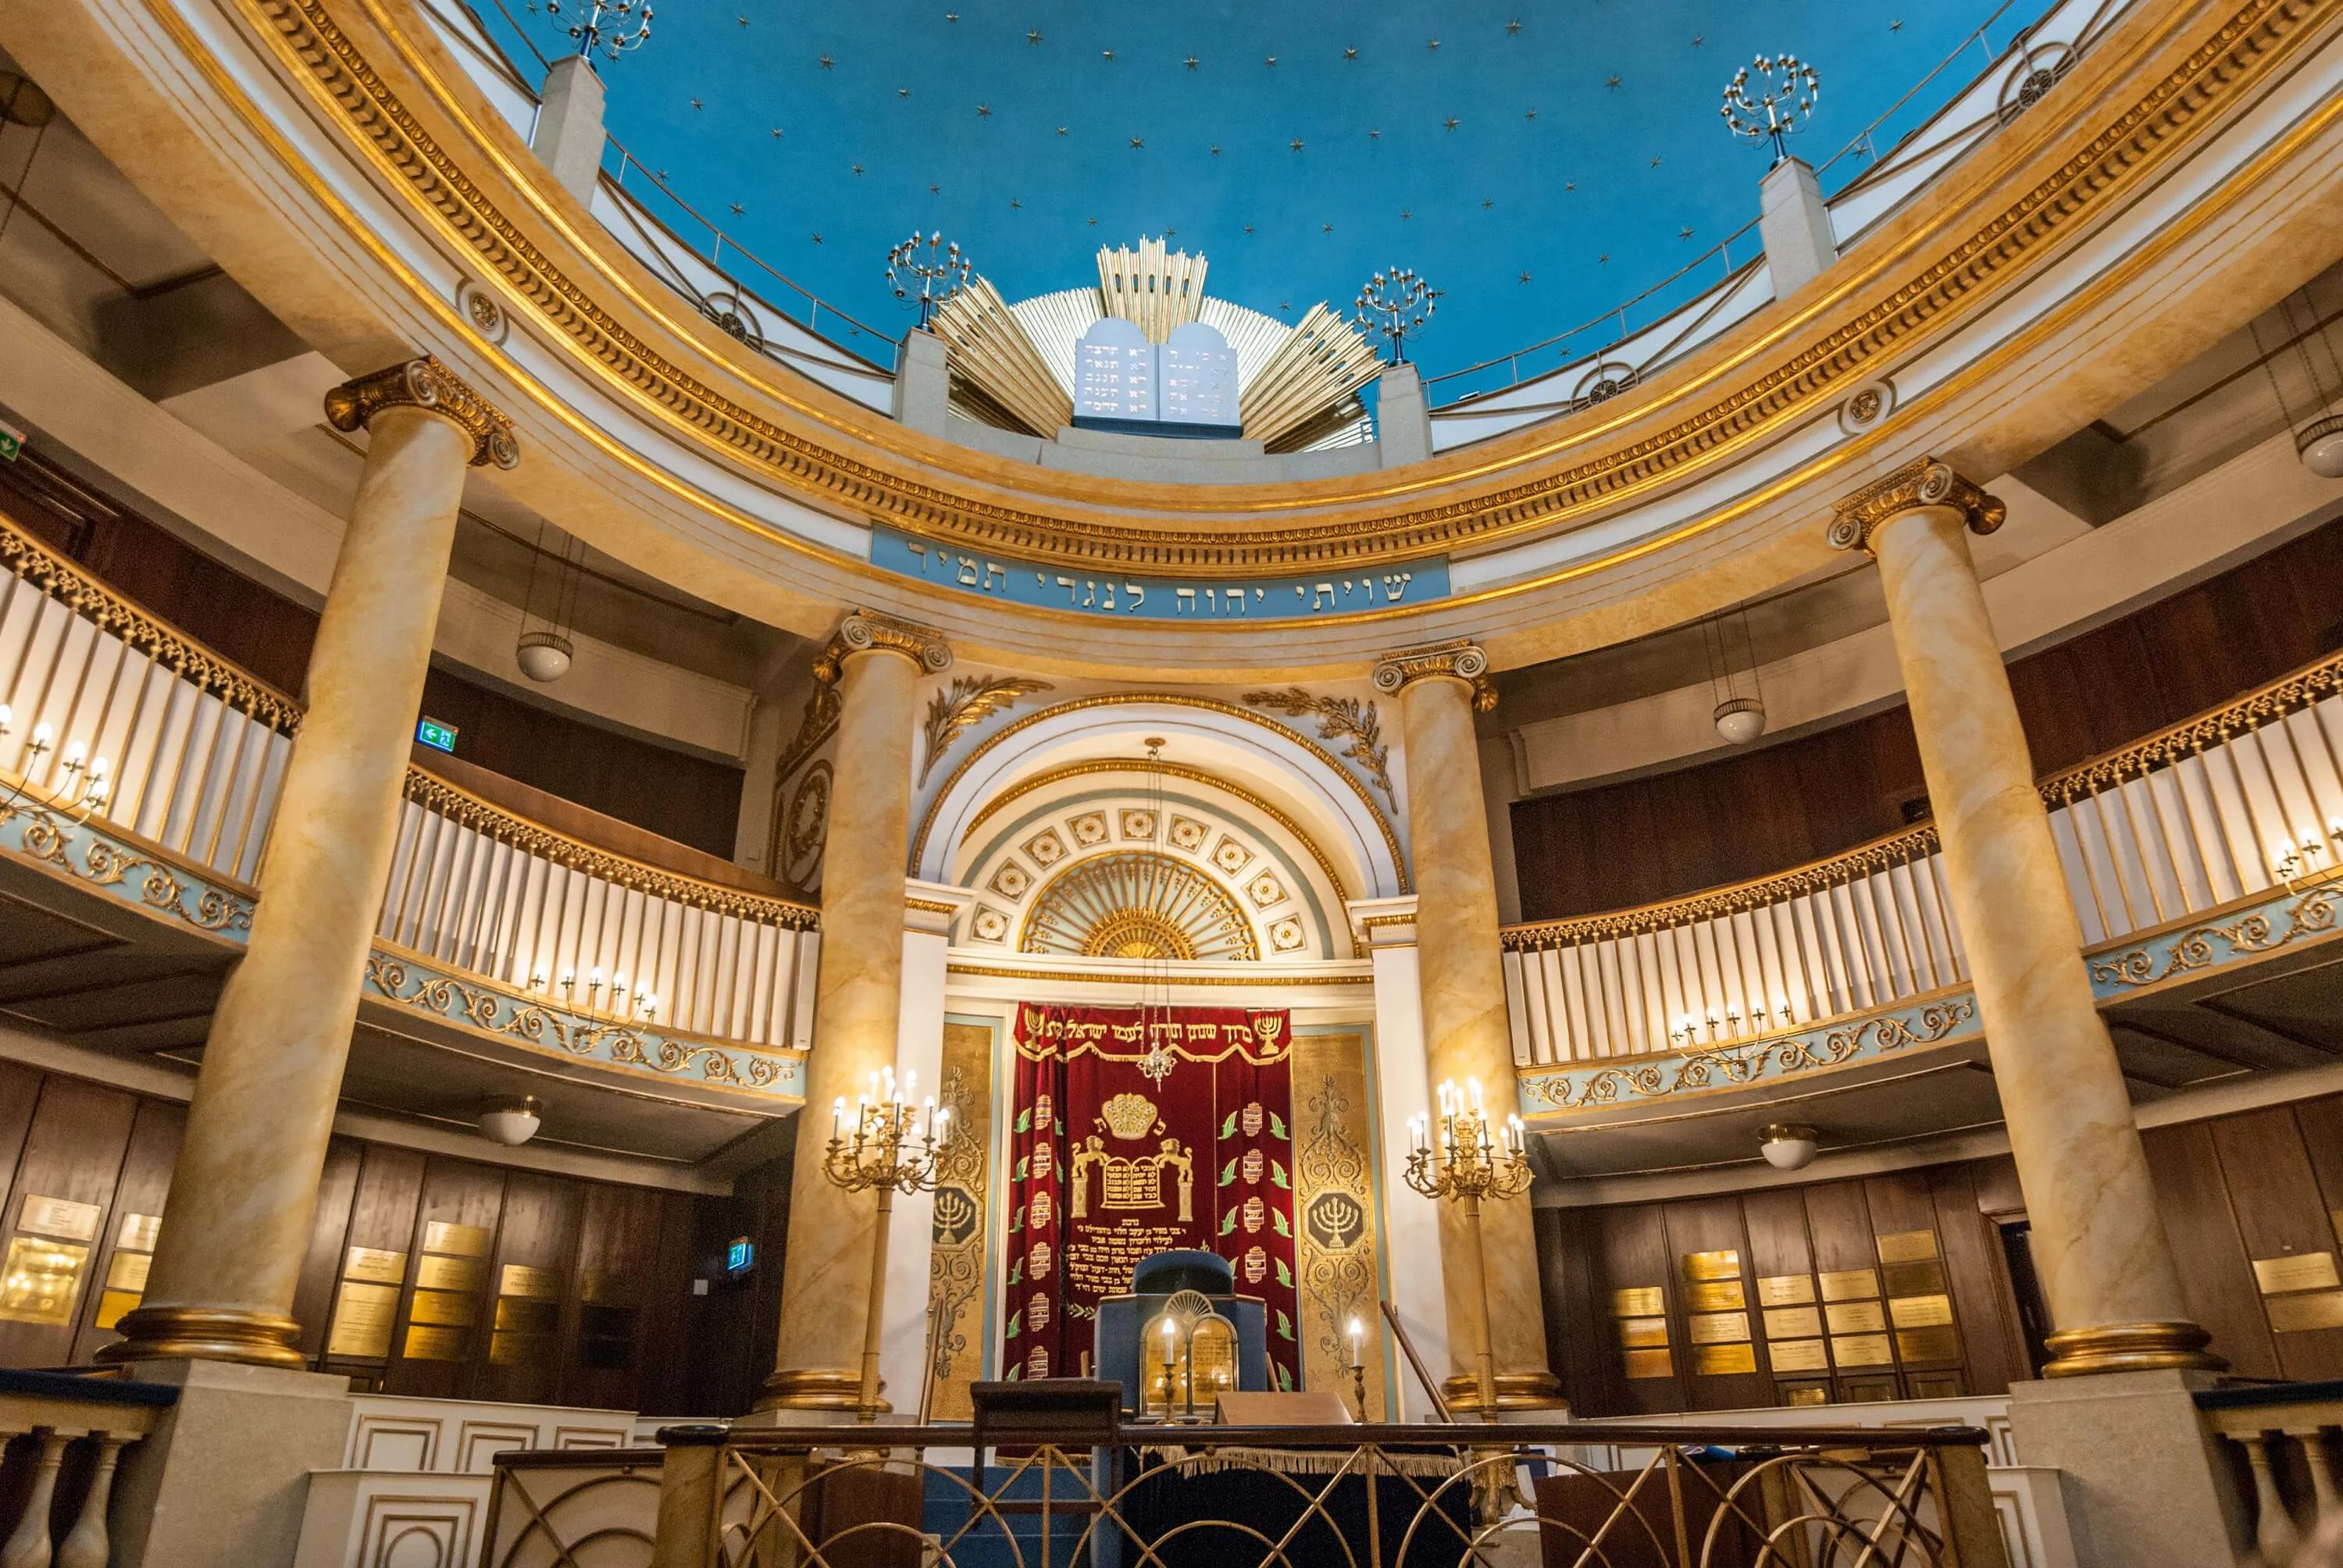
(2174, 1345)
(207, 1335)
(1518, 1392)
(828, 1390)
(2145, 1481)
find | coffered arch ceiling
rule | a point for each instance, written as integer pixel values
(352, 178)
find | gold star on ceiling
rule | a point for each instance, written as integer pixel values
(951, 16)
(828, 64)
(1061, 130)
(1525, 277)
(1108, 54)
(777, 132)
(902, 92)
(984, 111)
(1449, 124)
(817, 239)
(1190, 62)
(1656, 163)
(1272, 61)
(1138, 141)
(1434, 45)
(1326, 229)
(1684, 232)
(1513, 27)
(1374, 136)
(1033, 35)
(1350, 53)
(1486, 204)
(738, 209)
(1530, 115)
(935, 190)
(1216, 150)
(1016, 206)
(857, 168)
(1295, 143)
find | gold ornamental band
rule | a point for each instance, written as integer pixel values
(207, 1335)
(1923, 482)
(2172, 1345)
(1516, 1391)
(815, 1387)
(425, 383)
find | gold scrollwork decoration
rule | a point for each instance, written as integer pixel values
(969, 701)
(1347, 718)
(105, 864)
(1731, 1066)
(2312, 914)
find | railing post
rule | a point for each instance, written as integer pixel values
(691, 1497)
(28, 1544)
(1972, 1528)
(86, 1545)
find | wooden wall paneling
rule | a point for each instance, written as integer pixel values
(20, 1092)
(1780, 1249)
(1901, 1206)
(1582, 1348)
(2286, 1227)
(383, 1200)
(663, 1348)
(1979, 1276)
(1845, 1242)
(1709, 1225)
(2321, 1121)
(531, 1312)
(616, 1260)
(73, 1152)
(1630, 1251)
(145, 1181)
(434, 1359)
(330, 1228)
(2216, 1282)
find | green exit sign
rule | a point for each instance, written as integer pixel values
(437, 736)
(11, 441)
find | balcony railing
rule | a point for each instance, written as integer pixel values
(2240, 803)
(169, 759)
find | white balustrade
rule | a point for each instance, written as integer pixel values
(2227, 808)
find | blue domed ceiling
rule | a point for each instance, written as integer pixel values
(1539, 162)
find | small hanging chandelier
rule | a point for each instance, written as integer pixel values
(544, 654)
(2319, 443)
(1739, 717)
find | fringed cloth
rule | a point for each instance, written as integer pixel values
(1306, 1460)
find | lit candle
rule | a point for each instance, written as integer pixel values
(943, 1117)
(837, 1116)
(1474, 1085)
(1357, 1340)
(7, 716)
(1169, 1329)
(42, 736)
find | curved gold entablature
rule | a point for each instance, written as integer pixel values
(2145, 93)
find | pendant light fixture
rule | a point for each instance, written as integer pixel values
(1739, 716)
(2319, 441)
(544, 654)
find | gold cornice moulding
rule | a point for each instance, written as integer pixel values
(1922, 482)
(425, 383)
(867, 631)
(1463, 660)
(1935, 288)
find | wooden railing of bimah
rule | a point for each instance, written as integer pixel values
(2236, 803)
(65, 1437)
(2285, 1435)
(167, 757)
(1189, 1496)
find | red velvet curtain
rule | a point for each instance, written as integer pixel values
(1108, 1165)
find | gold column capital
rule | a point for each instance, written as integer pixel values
(425, 383)
(867, 631)
(1463, 660)
(1923, 482)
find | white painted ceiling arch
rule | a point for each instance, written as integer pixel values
(1281, 784)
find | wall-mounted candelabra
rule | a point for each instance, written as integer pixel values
(891, 1148)
(1397, 304)
(1462, 1158)
(1770, 98)
(89, 780)
(927, 268)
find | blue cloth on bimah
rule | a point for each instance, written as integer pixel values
(1117, 1351)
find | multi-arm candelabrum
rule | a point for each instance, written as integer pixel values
(929, 269)
(610, 28)
(1397, 304)
(1769, 108)
(891, 1147)
(89, 780)
(1460, 1157)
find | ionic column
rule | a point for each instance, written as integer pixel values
(2106, 1266)
(858, 1003)
(1462, 974)
(237, 1219)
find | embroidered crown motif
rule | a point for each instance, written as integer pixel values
(1128, 1115)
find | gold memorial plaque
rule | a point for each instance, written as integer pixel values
(362, 1321)
(437, 1273)
(127, 1271)
(1717, 1296)
(60, 1217)
(1929, 1344)
(1856, 1317)
(2295, 1272)
(1786, 1290)
(1719, 1328)
(138, 1231)
(113, 1306)
(427, 1344)
(40, 1280)
(1907, 1247)
(440, 1307)
(1921, 1312)
(1806, 1393)
(1921, 1279)
(1850, 1285)
(1723, 1360)
(463, 1240)
(520, 1279)
(1863, 1351)
(374, 1265)
(1796, 1355)
(513, 1349)
(1650, 1363)
(523, 1315)
(1794, 1323)
(1723, 1265)
(1641, 1332)
(1640, 1302)
(2300, 1314)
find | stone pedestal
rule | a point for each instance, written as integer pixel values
(568, 135)
(1402, 418)
(2146, 1485)
(1795, 225)
(223, 1481)
(922, 384)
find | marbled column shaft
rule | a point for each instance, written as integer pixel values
(237, 1224)
(857, 1002)
(1465, 1033)
(2098, 1245)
